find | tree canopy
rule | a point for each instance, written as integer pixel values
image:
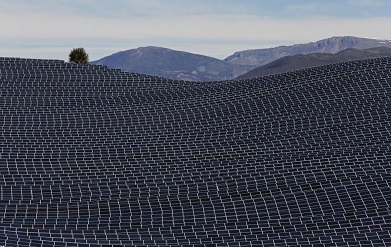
(78, 55)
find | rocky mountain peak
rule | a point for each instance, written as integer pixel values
(259, 57)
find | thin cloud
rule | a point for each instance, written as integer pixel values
(370, 2)
(199, 27)
(206, 26)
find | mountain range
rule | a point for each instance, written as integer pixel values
(182, 65)
(173, 64)
(290, 63)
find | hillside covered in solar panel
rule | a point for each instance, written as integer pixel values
(97, 157)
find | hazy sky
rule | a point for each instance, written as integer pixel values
(51, 28)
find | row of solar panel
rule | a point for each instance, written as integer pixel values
(293, 159)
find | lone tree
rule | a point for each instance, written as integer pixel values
(78, 55)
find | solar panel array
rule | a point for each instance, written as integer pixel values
(97, 157)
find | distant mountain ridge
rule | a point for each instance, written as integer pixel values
(290, 63)
(331, 45)
(194, 67)
(173, 64)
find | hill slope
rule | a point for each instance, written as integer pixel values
(259, 57)
(290, 63)
(173, 64)
(94, 157)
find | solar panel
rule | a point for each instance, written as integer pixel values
(92, 156)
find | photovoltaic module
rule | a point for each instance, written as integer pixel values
(91, 156)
